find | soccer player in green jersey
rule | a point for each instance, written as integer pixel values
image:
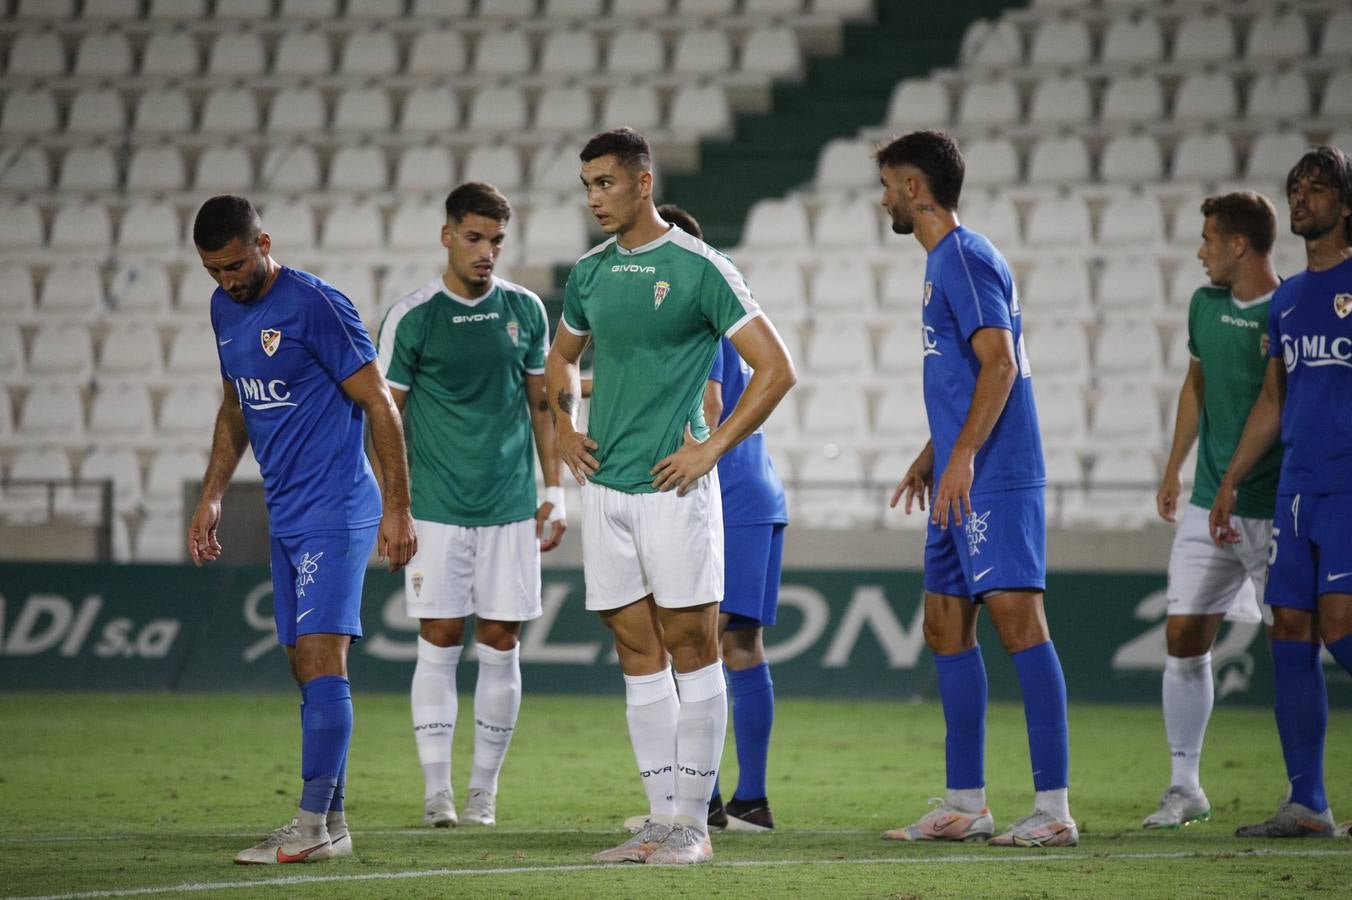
(1227, 339)
(464, 356)
(655, 301)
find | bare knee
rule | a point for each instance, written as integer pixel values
(1290, 624)
(690, 635)
(442, 632)
(743, 648)
(1019, 619)
(638, 637)
(950, 624)
(497, 634)
(1191, 635)
(317, 655)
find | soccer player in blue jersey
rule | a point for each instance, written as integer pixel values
(983, 472)
(1305, 402)
(300, 380)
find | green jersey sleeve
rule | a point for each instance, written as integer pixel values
(1197, 297)
(725, 299)
(396, 348)
(574, 318)
(538, 337)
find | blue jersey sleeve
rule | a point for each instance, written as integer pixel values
(335, 335)
(1274, 326)
(978, 292)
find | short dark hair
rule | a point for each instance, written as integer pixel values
(672, 213)
(626, 144)
(1246, 213)
(1330, 164)
(224, 218)
(935, 154)
(477, 198)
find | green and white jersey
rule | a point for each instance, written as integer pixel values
(1230, 339)
(464, 365)
(655, 314)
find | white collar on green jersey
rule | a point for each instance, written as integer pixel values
(466, 301)
(651, 245)
(1249, 304)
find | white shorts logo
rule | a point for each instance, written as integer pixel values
(306, 570)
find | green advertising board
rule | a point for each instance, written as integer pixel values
(840, 634)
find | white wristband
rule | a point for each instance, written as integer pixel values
(554, 495)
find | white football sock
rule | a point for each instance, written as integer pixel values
(434, 710)
(1188, 697)
(651, 709)
(497, 701)
(968, 800)
(1056, 802)
(700, 730)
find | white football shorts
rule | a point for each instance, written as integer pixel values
(489, 571)
(660, 544)
(1206, 579)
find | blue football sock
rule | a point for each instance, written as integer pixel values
(336, 804)
(1342, 651)
(1302, 710)
(753, 715)
(962, 689)
(1044, 709)
(326, 729)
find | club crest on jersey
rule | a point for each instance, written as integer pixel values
(1342, 305)
(929, 289)
(660, 291)
(272, 339)
(1264, 345)
(514, 332)
(417, 583)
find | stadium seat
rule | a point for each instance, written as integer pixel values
(303, 53)
(701, 111)
(297, 109)
(46, 9)
(1061, 42)
(1178, 356)
(1337, 102)
(416, 224)
(555, 234)
(363, 109)
(1059, 160)
(1207, 36)
(571, 52)
(1272, 154)
(440, 8)
(903, 282)
(437, 52)
(358, 168)
(163, 110)
(229, 111)
(1057, 350)
(1204, 157)
(834, 413)
(849, 225)
(291, 225)
(519, 10)
(119, 413)
(370, 51)
(156, 167)
(290, 167)
(836, 348)
(572, 9)
(29, 111)
(992, 44)
(431, 108)
(779, 287)
(170, 54)
(1188, 276)
(357, 282)
(502, 51)
(497, 164)
(1128, 350)
(764, 8)
(28, 504)
(498, 109)
(103, 54)
(992, 215)
(775, 224)
(90, 168)
(555, 169)
(140, 288)
(772, 51)
(1277, 34)
(97, 111)
(781, 428)
(25, 168)
(1064, 467)
(81, 225)
(1131, 287)
(352, 225)
(992, 161)
(11, 350)
(900, 414)
(73, 291)
(1206, 97)
(1132, 158)
(110, 10)
(236, 53)
(636, 51)
(160, 538)
(192, 350)
(187, 10)
(61, 352)
(51, 412)
(242, 9)
(1061, 100)
(841, 288)
(564, 108)
(1336, 40)
(120, 466)
(699, 51)
(1279, 95)
(1133, 40)
(899, 356)
(192, 297)
(19, 297)
(130, 351)
(1060, 409)
(845, 163)
(832, 492)
(424, 168)
(918, 103)
(36, 54)
(635, 105)
(1135, 221)
(309, 9)
(224, 167)
(1133, 98)
(1057, 289)
(1059, 222)
(989, 103)
(188, 412)
(20, 226)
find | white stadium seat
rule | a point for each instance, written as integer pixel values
(1128, 349)
(701, 110)
(188, 412)
(309, 9)
(242, 9)
(636, 51)
(1133, 98)
(430, 107)
(1059, 160)
(1059, 222)
(572, 9)
(81, 226)
(163, 110)
(46, 9)
(120, 412)
(290, 167)
(841, 287)
(508, 9)
(71, 291)
(1060, 411)
(835, 348)
(1134, 158)
(229, 111)
(635, 105)
(701, 51)
(899, 356)
(1336, 41)
(416, 224)
(424, 168)
(140, 288)
(156, 167)
(28, 504)
(358, 168)
(499, 108)
(291, 225)
(569, 53)
(1135, 221)
(61, 352)
(352, 225)
(1061, 100)
(104, 54)
(555, 234)
(119, 465)
(777, 225)
(1133, 40)
(170, 54)
(1057, 289)
(88, 169)
(297, 109)
(772, 51)
(29, 111)
(1204, 157)
(1284, 95)
(303, 53)
(830, 492)
(437, 52)
(1337, 102)
(169, 470)
(994, 215)
(36, 54)
(1131, 287)
(918, 103)
(371, 51)
(1272, 154)
(846, 163)
(236, 53)
(11, 354)
(25, 168)
(363, 109)
(1061, 42)
(989, 103)
(192, 351)
(987, 44)
(20, 226)
(378, 9)
(225, 167)
(1058, 352)
(778, 286)
(51, 412)
(1205, 37)
(497, 164)
(96, 111)
(1208, 97)
(847, 225)
(992, 161)
(1278, 34)
(835, 413)
(502, 52)
(160, 538)
(130, 351)
(177, 9)
(564, 108)
(17, 299)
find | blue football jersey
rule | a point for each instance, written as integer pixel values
(752, 491)
(968, 286)
(1310, 330)
(286, 354)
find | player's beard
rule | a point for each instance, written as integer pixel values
(1313, 229)
(254, 287)
(902, 226)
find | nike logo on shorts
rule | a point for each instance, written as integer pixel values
(224, 342)
(1286, 312)
(1333, 577)
(304, 614)
(982, 574)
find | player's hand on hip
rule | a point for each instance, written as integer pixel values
(398, 539)
(954, 493)
(552, 517)
(575, 451)
(1166, 500)
(1222, 508)
(691, 462)
(916, 484)
(202, 543)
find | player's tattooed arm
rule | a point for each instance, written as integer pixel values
(566, 402)
(564, 380)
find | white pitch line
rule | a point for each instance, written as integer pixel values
(373, 832)
(1052, 856)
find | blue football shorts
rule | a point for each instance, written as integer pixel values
(317, 582)
(1311, 553)
(1001, 546)
(752, 558)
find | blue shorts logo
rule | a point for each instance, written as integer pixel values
(975, 528)
(306, 570)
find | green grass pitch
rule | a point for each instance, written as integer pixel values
(152, 794)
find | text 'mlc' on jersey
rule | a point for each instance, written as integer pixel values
(1310, 330)
(464, 364)
(287, 354)
(1228, 338)
(752, 491)
(968, 286)
(655, 314)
